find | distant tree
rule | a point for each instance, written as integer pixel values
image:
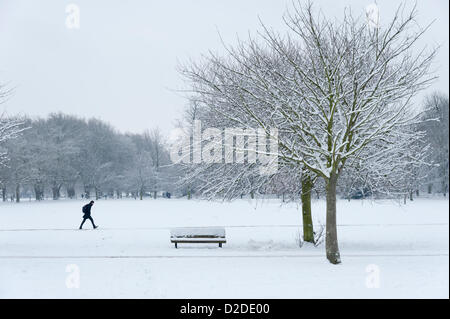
(97, 156)
(10, 128)
(142, 175)
(19, 162)
(436, 126)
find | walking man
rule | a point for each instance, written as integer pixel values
(87, 214)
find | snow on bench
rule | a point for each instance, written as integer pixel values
(214, 235)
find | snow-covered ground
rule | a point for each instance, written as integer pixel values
(388, 251)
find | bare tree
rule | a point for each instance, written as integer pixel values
(332, 88)
(10, 128)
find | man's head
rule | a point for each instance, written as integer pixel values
(91, 202)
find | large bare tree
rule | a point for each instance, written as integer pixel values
(331, 88)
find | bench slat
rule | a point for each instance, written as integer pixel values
(196, 232)
(198, 240)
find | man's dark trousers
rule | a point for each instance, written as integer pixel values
(84, 219)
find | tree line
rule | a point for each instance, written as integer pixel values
(63, 155)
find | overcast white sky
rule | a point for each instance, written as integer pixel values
(120, 65)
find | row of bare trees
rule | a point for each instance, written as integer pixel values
(84, 157)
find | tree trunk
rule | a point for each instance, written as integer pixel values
(331, 241)
(4, 193)
(141, 193)
(71, 192)
(38, 192)
(154, 194)
(55, 192)
(17, 193)
(87, 192)
(308, 229)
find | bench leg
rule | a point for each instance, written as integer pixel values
(176, 245)
(220, 245)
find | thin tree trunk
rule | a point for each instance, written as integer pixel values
(38, 192)
(71, 192)
(331, 240)
(4, 193)
(141, 193)
(87, 192)
(17, 193)
(308, 229)
(55, 191)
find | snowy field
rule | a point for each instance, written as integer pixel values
(388, 251)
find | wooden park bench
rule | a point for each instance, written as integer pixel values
(214, 235)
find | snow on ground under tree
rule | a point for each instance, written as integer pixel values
(130, 255)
